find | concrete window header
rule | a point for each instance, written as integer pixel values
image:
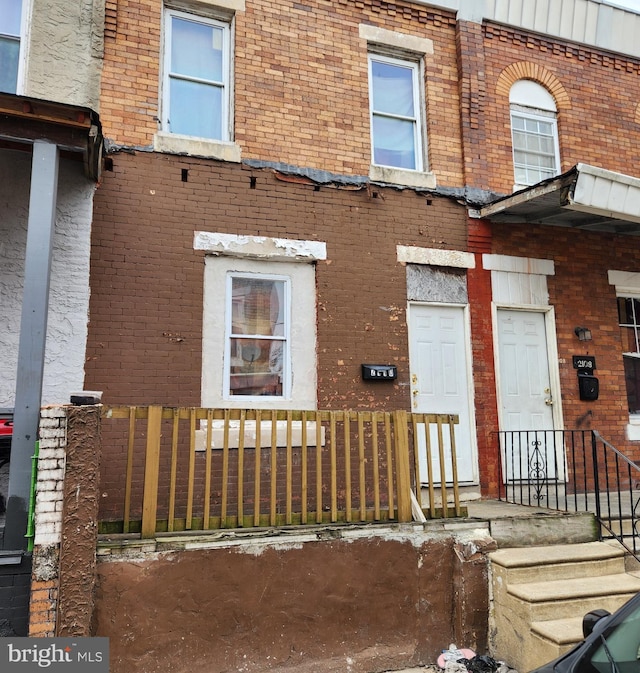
(260, 247)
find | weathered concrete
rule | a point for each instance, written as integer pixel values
(367, 598)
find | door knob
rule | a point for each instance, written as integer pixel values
(548, 401)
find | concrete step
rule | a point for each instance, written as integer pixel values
(558, 599)
(559, 562)
(540, 595)
(562, 632)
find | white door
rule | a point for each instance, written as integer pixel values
(441, 384)
(525, 395)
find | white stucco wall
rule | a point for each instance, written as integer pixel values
(69, 289)
(64, 51)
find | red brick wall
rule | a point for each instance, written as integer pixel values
(301, 86)
(596, 114)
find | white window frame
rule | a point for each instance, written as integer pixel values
(535, 115)
(627, 285)
(417, 69)
(268, 257)
(21, 38)
(286, 338)
(226, 71)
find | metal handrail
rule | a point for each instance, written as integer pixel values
(573, 470)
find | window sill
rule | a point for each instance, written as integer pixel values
(400, 176)
(172, 143)
(633, 428)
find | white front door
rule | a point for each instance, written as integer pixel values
(441, 383)
(525, 394)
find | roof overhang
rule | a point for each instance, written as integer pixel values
(586, 198)
(75, 130)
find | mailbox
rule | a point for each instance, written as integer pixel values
(589, 387)
(379, 372)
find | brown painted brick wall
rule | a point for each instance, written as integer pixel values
(145, 335)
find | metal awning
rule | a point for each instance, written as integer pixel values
(585, 197)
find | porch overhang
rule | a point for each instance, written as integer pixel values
(585, 197)
(75, 130)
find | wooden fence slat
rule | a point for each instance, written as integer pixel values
(443, 471)
(289, 506)
(362, 477)
(403, 473)
(151, 473)
(240, 503)
(129, 474)
(174, 470)
(334, 467)
(256, 482)
(225, 469)
(207, 471)
(192, 468)
(319, 475)
(274, 469)
(454, 465)
(376, 471)
(390, 471)
(305, 467)
(347, 463)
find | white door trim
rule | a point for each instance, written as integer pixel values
(473, 435)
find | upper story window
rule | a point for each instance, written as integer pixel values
(396, 124)
(534, 132)
(196, 76)
(257, 344)
(10, 25)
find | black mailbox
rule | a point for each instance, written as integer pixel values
(379, 372)
(589, 387)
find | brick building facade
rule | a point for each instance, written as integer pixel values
(397, 246)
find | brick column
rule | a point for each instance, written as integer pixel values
(48, 522)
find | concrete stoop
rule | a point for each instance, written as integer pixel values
(540, 594)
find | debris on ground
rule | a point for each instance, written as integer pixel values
(464, 660)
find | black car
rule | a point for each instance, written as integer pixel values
(611, 643)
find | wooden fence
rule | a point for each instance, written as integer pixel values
(196, 469)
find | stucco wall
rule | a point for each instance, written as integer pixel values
(361, 599)
(69, 289)
(64, 51)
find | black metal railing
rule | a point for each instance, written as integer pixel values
(573, 471)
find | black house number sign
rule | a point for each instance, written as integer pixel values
(585, 363)
(379, 372)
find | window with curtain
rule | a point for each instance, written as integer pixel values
(10, 24)
(534, 133)
(257, 342)
(394, 94)
(196, 76)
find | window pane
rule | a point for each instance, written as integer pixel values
(9, 53)
(632, 380)
(196, 109)
(394, 143)
(258, 307)
(534, 149)
(256, 366)
(10, 12)
(196, 50)
(393, 89)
